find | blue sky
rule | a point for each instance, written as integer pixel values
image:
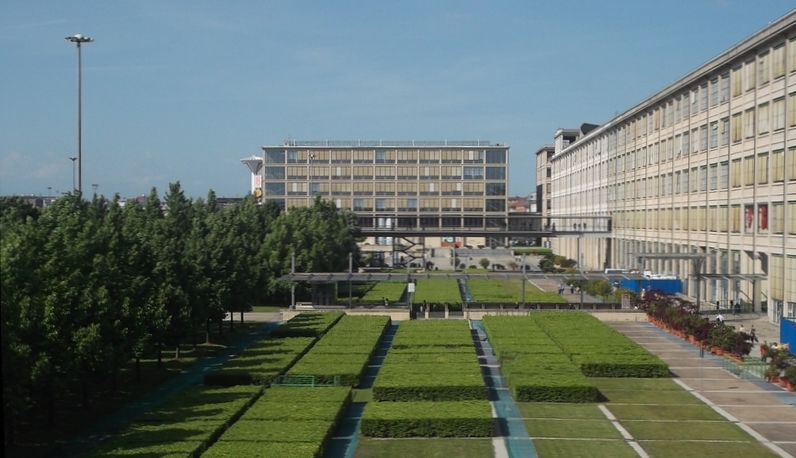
(182, 90)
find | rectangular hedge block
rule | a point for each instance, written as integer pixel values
(425, 419)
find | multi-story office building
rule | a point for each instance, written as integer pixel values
(398, 185)
(707, 166)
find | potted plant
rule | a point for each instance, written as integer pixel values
(790, 377)
(763, 350)
(772, 374)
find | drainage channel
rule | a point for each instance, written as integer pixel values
(344, 442)
(511, 427)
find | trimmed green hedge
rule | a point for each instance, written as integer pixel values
(185, 424)
(437, 291)
(597, 349)
(426, 419)
(261, 363)
(344, 351)
(508, 291)
(308, 324)
(262, 449)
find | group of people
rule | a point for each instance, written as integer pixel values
(572, 288)
(734, 306)
(752, 331)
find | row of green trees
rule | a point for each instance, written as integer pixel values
(89, 286)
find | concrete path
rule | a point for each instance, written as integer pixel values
(762, 409)
(552, 286)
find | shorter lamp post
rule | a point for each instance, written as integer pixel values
(73, 159)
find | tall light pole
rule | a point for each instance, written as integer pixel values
(73, 159)
(95, 186)
(78, 40)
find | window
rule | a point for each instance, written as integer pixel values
(714, 92)
(686, 105)
(792, 109)
(452, 157)
(695, 141)
(703, 178)
(703, 103)
(737, 82)
(473, 173)
(451, 172)
(677, 182)
(724, 175)
(387, 172)
(685, 181)
(695, 101)
(725, 131)
(792, 57)
(495, 173)
(495, 205)
(749, 171)
(694, 185)
(749, 70)
(686, 143)
(778, 62)
(495, 189)
(762, 217)
(735, 218)
(777, 217)
(274, 173)
(275, 189)
(749, 123)
(791, 223)
(275, 157)
(385, 189)
(714, 176)
(762, 168)
(724, 215)
(678, 112)
(735, 173)
(762, 119)
(762, 69)
(495, 156)
(724, 88)
(703, 138)
(737, 127)
(778, 166)
(790, 161)
(778, 114)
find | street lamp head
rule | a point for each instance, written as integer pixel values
(78, 38)
(73, 159)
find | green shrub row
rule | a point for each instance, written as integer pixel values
(534, 367)
(308, 324)
(389, 289)
(437, 291)
(342, 354)
(508, 291)
(184, 425)
(285, 423)
(434, 361)
(261, 363)
(426, 419)
(597, 349)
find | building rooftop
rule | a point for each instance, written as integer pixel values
(385, 143)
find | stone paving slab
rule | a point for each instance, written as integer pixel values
(775, 431)
(749, 399)
(688, 374)
(758, 413)
(790, 448)
(728, 384)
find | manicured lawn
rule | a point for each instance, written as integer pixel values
(638, 384)
(664, 412)
(426, 448)
(552, 448)
(552, 428)
(265, 309)
(559, 410)
(674, 449)
(362, 395)
(694, 430)
(649, 397)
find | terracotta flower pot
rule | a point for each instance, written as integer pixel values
(791, 387)
(783, 383)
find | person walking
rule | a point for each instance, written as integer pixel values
(719, 319)
(753, 333)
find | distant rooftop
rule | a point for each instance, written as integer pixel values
(387, 143)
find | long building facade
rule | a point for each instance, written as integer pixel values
(392, 185)
(706, 166)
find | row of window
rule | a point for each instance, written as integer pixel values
(280, 156)
(760, 218)
(385, 189)
(748, 171)
(384, 173)
(413, 205)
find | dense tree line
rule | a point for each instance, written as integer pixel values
(90, 286)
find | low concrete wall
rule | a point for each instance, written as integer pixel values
(403, 314)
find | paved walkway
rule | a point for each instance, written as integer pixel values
(762, 409)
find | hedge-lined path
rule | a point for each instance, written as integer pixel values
(344, 442)
(514, 441)
(125, 416)
(763, 410)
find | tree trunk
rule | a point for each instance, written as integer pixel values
(177, 352)
(84, 389)
(50, 408)
(241, 316)
(160, 355)
(8, 427)
(231, 322)
(195, 343)
(221, 327)
(207, 331)
(138, 368)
